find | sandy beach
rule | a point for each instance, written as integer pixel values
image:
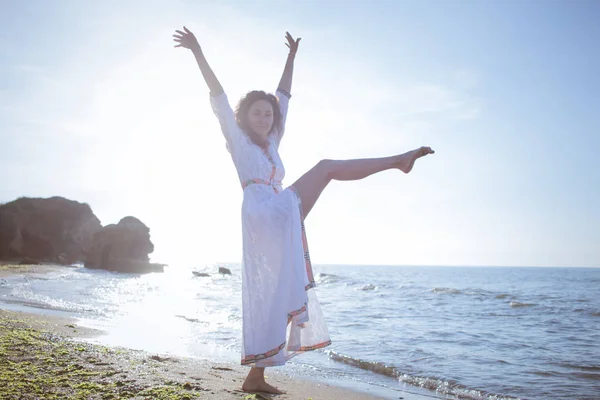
(43, 357)
(49, 357)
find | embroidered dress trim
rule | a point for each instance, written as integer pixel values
(257, 357)
(285, 92)
(310, 348)
(270, 182)
(273, 184)
(294, 313)
(315, 347)
(309, 270)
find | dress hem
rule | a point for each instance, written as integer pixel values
(266, 363)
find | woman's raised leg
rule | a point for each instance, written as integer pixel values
(310, 185)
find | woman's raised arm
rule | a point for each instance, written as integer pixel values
(187, 40)
(285, 84)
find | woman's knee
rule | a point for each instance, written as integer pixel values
(326, 167)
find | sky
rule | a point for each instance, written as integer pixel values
(96, 105)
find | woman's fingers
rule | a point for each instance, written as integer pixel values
(181, 42)
(292, 43)
(183, 39)
(180, 38)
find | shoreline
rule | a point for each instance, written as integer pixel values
(41, 354)
(8, 269)
(108, 369)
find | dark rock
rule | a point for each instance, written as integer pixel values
(54, 230)
(28, 261)
(224, 271)
(196, 273)
(123, 247)
(222, 368)
(9, 230)
(162, 359)
(58, 230)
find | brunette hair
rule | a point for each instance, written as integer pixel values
(241, 112)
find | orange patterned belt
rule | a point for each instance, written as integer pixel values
(273, 184)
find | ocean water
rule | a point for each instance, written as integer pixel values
(471, 333)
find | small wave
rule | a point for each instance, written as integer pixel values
(194, 320)
(581, 367)
(54, 306)
(517, 304)
(545, 373)
(370, 286)
(446, 290)
(27, 297)
(452, 388)
(587, 375)
(579, 310)
(446, 387)
(476, 292)
(378, 368)
(322, 278)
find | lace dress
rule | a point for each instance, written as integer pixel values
(281, 313)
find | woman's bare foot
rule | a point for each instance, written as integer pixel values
(255, 382)
(407, 160)
(264, 387)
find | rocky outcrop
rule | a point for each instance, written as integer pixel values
(54, 230)
(123, 247)
(62, 231)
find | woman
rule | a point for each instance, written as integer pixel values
(281, 313)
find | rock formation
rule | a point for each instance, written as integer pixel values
(54, 230)
(62, 231)
(123, 247)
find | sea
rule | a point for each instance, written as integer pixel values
(481, 333)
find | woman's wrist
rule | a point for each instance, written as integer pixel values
(196, 50)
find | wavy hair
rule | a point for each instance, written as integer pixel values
(241, 113)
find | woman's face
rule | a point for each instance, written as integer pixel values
(260, 118)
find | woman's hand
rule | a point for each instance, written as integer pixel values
(292, 44)
(285, 84)
(186, 39)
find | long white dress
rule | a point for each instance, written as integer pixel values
(281, 313)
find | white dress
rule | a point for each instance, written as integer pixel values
(281, 314)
